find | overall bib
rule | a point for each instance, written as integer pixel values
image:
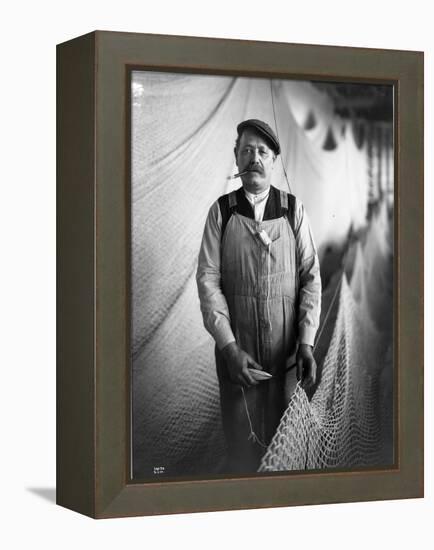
(260, 285)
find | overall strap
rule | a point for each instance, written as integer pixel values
(228, 205)
(287, 204)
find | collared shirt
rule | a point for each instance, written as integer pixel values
(213, 302)
(258, 203)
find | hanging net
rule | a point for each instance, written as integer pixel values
(349, 420)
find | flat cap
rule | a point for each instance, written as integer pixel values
(263, 129)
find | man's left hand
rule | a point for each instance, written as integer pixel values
(306, 366)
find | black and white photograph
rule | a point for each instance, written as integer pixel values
(262, 275)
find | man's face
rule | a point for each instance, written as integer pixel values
(255, 155)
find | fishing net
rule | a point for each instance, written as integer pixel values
(349, 420)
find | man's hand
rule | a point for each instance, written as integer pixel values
(238, 362)
(306, 366)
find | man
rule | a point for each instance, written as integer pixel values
(260, 291)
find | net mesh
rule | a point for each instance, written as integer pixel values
(348, 422)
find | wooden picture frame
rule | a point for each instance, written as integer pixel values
(93, 224)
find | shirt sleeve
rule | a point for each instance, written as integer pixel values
(309, 307)
(213, 304)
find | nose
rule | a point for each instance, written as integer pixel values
(254, 156)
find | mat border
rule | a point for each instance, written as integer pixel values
(93, 225)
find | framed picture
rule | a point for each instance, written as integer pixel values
(240, 263)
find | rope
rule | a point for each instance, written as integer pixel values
(327, 315)
(277, 133)
(252, 435)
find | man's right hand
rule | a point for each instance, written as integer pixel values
(238, 363)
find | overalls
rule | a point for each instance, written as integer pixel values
(260, 285)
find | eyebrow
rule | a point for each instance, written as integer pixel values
(263, 146)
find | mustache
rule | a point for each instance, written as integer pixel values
(254, 168)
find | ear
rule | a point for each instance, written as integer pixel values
(235, 155)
